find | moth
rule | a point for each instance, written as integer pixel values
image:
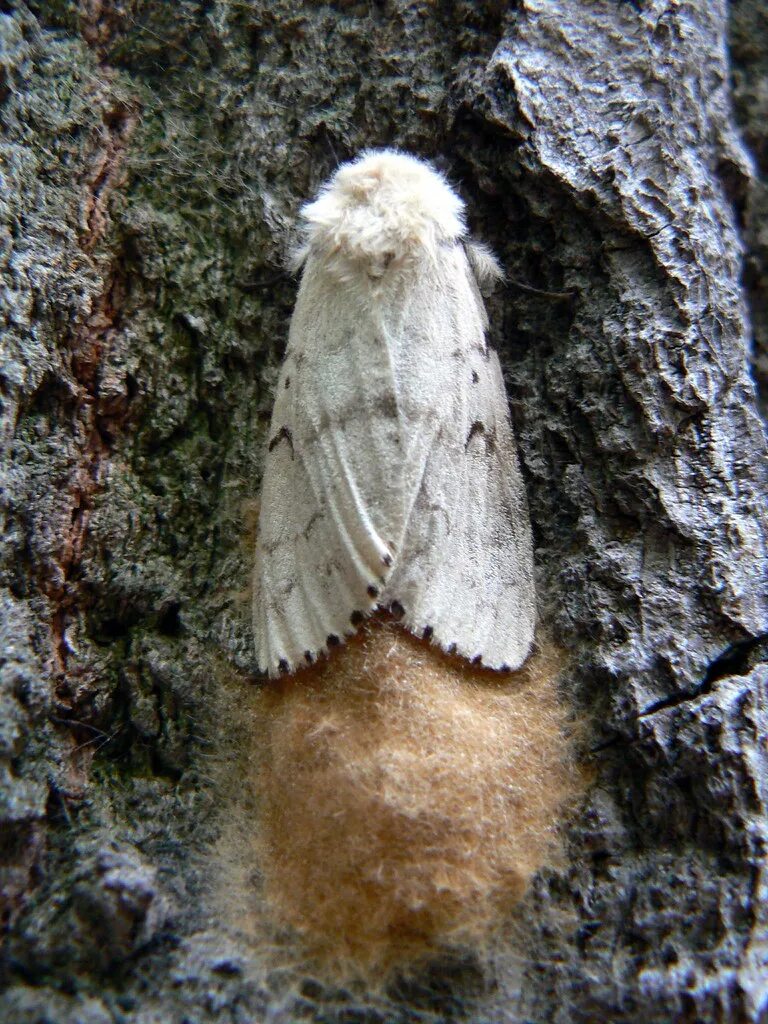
(391, 477)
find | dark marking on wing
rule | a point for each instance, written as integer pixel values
(478, 427)
(283, 434)
(373, 591)
(477, 659)
(308, 657)
(428, 631)
(475, 377)
(450, 649)
(387, 560)
(287, 383)
(356, 618)
(332, 640)
(315, 517)
(387, 406)
(504, 668)
(397, 609)
(283, 666)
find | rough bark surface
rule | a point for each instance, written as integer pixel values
(152, 158)
(748, 31)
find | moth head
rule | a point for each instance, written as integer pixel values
(379, 211)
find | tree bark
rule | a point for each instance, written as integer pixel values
(153, 159)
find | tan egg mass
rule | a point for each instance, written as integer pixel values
(406, 798)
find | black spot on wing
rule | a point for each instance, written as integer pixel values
(387, 406)
(332, 640)
(283, 666)
(308, 657)
(283, 434)
(287, 383)
(475, 377)
(356, 618)
(373, 591)
(314, 518)
(478, 427)
(387, 560)
(397, 609)
(428, 631)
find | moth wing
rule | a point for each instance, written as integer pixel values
(465, 573)
(332, 500)
(392, 475)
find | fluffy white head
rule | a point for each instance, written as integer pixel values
(378, 211)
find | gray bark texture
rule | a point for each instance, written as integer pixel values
(152, 159)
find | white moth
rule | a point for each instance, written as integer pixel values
(391, 475)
